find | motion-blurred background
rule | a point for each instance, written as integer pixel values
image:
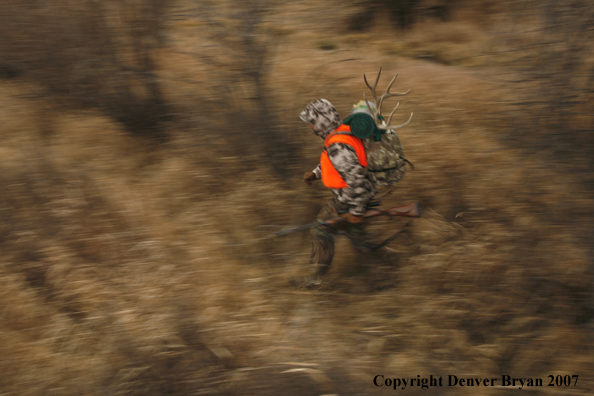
(147, 145)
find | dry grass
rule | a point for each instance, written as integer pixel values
(133, 269)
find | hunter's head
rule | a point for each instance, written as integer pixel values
(321, 116)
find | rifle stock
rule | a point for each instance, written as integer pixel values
(410, 210)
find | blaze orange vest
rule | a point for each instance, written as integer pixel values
(330, 176)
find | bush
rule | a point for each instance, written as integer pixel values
(101, 53)
(403, 13)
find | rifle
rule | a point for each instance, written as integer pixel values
(410, 210)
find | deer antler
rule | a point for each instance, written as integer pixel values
(383, 125)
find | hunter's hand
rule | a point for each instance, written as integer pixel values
(309, 177)
(353, 219)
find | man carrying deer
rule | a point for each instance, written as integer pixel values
(344, 166)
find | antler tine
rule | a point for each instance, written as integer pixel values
(374, 85)
(379, 73)
(392, 113)
(388, 126)
(376, 80)
(388, 93)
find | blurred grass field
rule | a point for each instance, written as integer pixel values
(133, 264)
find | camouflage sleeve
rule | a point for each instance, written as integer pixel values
(318, 172)
(360, 189)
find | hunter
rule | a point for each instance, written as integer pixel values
(342, 168)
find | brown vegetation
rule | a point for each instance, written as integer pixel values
(135, 266)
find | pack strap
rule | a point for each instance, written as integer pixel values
(394, 167)
(334, 134)
(337, 133)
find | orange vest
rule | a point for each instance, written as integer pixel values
(330, 176)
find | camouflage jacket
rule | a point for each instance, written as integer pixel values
(324, 117)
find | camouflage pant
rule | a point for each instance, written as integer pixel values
(322, 237)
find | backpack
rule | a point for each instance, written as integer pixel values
(386, 163)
